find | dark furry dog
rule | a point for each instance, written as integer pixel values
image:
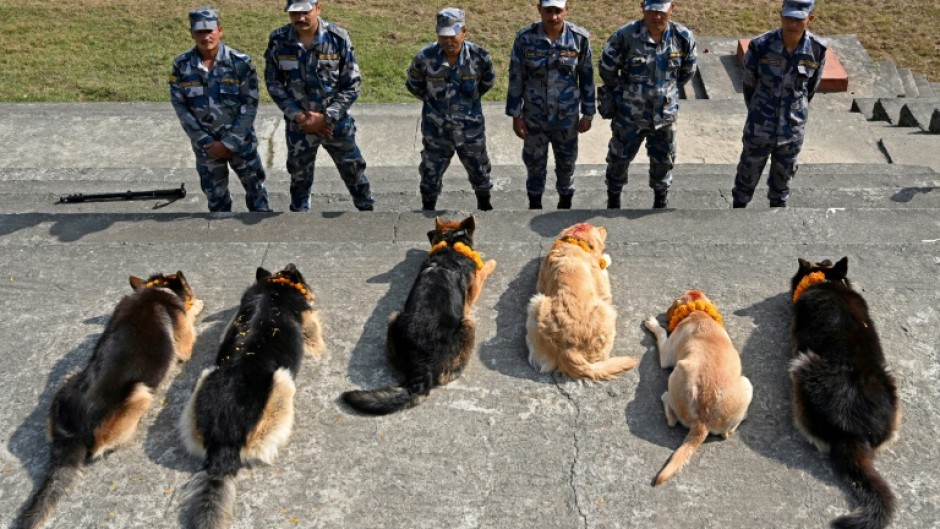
(431, 340)
(844, 399)
(242, 410)
(98, 408)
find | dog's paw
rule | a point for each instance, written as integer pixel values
(652, 324)
(489, 266)
(197, 307)
(607, 260)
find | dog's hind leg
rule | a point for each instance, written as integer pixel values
(118, 427)
(276, 423)
(476, 286)
(671, 418)
(313, 333)
(467, 343)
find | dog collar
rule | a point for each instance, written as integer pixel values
(567, 239)
(462, 249)
(807, 281)
(299, 287)
(682, 312)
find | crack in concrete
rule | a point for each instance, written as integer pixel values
(577, 447)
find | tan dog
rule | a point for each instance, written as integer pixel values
(707, 393)
(572, 321)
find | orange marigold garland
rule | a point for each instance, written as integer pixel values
(463, 250)
(602, 262)
(808, 281)
(682, 312)
(297, 286)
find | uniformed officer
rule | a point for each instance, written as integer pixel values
(782, 70)
(312, 76)
(643, 66)
(551, 97)
(214, 90)
(451, 76)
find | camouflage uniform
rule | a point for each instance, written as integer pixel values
(550, 85)
(452, 117)
(220, 105)
(323, 79)
(641, 95)
(778, 87)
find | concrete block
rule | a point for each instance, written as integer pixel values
(907, 80)
(935, 122)
(888, 109)
(923, 87)
(889, 71)
(917, 113)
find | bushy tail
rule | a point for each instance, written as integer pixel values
(66, 462)
(697, 435)
(389, 399)
(573, 364)
(209, 496)
(854, 461)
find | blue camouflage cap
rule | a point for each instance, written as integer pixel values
(560, 4)
(203, 19)
(654, 5)
(797, 8)
(300, 5)
(450, 21)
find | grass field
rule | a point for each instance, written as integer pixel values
(121, 50)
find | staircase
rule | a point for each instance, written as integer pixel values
(503, 445)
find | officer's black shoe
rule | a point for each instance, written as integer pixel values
(613, 200)
(428, 204)
(738, 205)
(483, 203)
(365, 208)
(535, 201)
(778, 204)
(659, 199)
(564, 201)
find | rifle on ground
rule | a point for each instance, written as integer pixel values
(173, 194)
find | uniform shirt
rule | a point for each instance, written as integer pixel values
(217, 104)
(778, 86)
(323, 79)
(550, 81)
(451, 94)
(643, 78)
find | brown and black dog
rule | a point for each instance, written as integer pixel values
(99, 408)
(845, 401)
(431, 340)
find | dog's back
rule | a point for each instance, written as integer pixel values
(845, 400)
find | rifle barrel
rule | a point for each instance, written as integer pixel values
(176, 193)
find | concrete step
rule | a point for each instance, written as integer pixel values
(892, 79)
(924, 89)
(888, 109)
(917, 113)
(865, 106)
(907, 80)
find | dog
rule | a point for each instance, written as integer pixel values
(430, 341)
(845, 401)
(706, 391)
(98, 408)
(242, 409)
(571, 322)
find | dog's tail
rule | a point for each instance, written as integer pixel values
(209, 496)
(854, 461)
(389, 399)
(697, 435)
(574, 365)
(66, 462)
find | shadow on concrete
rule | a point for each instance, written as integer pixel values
(511, 316)
(550, 224)
(28, 442)
(368, 367)
(765, 359)
(734, 71)
(907, 194)
(163, 445)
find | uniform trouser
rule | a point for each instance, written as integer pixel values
(625, 141)
(436, 156)
(213, 178)
(783, 166)
(302, 156)
(535, 157)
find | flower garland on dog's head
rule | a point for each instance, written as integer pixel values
(807, 281)
(567, 239)
(297, 286)
(462, 249)
(682, 312)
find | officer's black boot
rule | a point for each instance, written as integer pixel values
(613, 200)
(564, 201)
(483, 202)
(535, 201)
(428, 204)
(778, 203)
(738, 205)
(659, 199)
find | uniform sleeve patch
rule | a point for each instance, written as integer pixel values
(328, 57)
(569, 53)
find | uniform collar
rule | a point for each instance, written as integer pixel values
(644, 33)
(461, 58)
(222, 56)
(804, 47)
(561, 36)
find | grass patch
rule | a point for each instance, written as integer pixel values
(115, 50)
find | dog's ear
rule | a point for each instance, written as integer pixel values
(293, 274)
(182, 278)
(804, 264)
(261, 274)
(842, 268)
(137, 283)
(469, 223)
(431, 234)
(603, 231)
(438, 224)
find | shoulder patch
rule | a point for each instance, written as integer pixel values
(579, 30)
(336, 30)
(528, 28)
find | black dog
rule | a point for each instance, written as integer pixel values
(431, 340)
(844, 399)
(242, 410)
